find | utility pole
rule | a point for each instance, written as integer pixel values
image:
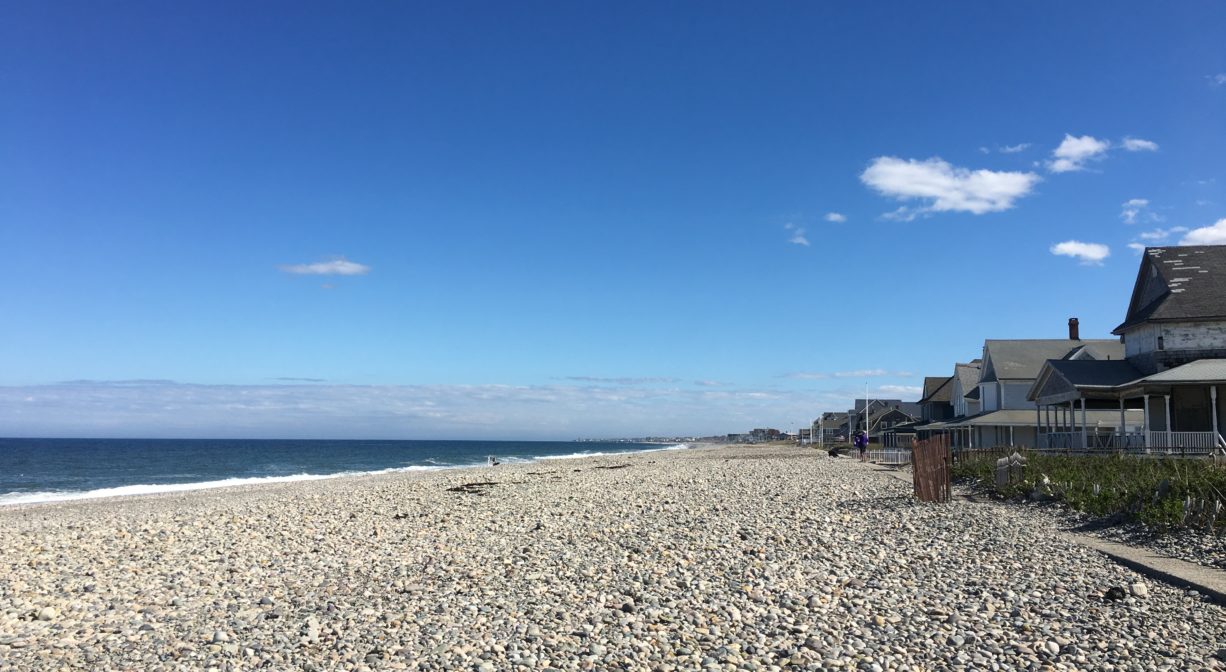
(866, 410)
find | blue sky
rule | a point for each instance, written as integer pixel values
(549, 220)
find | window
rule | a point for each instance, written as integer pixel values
(1160, 345)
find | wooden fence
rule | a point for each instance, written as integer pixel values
(931, 461)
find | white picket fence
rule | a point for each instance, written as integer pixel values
(890, 456)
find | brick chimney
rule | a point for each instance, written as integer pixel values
(1074, 333)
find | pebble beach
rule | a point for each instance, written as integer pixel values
(716, 558)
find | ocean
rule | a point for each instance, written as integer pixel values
(48, 470)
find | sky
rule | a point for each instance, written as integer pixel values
(551, 220)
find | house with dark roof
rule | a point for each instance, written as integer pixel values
(965, 392)
(936, 402)
(1165, 389)
(859, 420)
(989, 395)
(831, 427)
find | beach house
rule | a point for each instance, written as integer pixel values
(1166, 391)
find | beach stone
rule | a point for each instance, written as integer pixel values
(1139, 590)
(719, 559)
(46, 614)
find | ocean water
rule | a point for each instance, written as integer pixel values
(47, 470)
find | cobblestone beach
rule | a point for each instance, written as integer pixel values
(714, 558)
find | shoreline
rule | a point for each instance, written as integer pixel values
(169, 489)
(723, 557)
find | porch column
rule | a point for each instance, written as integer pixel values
(1011, 433)
(1123, 426)
(1145, 418)
(1038, 424)
(1085, 441)
(1213, 404)
(1169, 425)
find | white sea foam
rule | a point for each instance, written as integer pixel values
(162, 488)
(16, 498)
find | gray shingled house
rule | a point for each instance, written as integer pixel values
(994, 389)
(1165, 389)
(831, 428)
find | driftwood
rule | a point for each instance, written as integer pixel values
(480, 488)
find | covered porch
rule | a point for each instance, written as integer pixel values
(1175, 412)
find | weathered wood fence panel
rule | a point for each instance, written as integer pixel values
(931, 461)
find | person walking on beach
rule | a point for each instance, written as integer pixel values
(861, 443)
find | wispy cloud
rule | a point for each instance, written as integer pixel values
(857, 373)
(708, 383)
(1014, 149)
(1139, 145)
(291, 379)
(836, 217)
(390, 411)
(1159, 235)
(648, 380)
(1136, 247)
(944, 187)
(1091, 254)
(340, 266)
(1214, 234)
(1074, 152)
(1132, 209)
(798, 234)
(1217, 80)
(901, 390)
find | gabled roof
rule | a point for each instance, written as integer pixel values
(968, 375)
(1090, 373)
(937, 389)
(1178, 284)
(1023, 359)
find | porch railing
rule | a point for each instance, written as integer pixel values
(1060, 440)
(1190, 443)
(1182, 442)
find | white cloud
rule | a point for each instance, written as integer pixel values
(340, 266)
(901, 214)
(984, 150)
(1158, 235)
(315, 411)
(861, 373)
(837, 217)
(1014, 149)
(900, 390)
(798, 234)
(1087, 253)
(1139, 145)
(857, 373)
(1218, 79)
(946, 187)
(1133, 208)
(1074, 152)
(1136, 247)
(1214, 234)
(650, 380)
